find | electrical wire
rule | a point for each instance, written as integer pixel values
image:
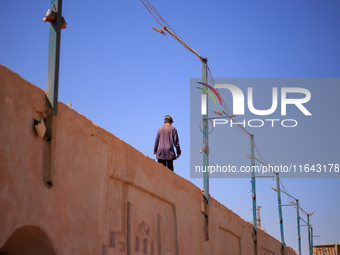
(161, 21)
(283, 187)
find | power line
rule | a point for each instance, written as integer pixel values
(161, 21)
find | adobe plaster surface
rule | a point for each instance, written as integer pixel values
(107, 197)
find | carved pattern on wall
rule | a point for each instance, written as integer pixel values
(149, 223)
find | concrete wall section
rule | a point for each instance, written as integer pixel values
(107, 198)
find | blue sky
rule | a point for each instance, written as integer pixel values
(126, 77)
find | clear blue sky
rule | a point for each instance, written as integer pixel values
(126, 77)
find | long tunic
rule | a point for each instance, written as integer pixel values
(166, 139)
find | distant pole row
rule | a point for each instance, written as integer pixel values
(296, 203)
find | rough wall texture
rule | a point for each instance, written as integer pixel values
(107, 198)
(326, 249)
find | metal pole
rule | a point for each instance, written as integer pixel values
(52, 89)
(298, 224)
(309, 239)
(311, 233)
(205, 134)
(297, 212)
(280, 209)
(205, 149)
(252, 159)
(53, 57)
(253, 181)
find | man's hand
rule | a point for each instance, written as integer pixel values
(178, 156)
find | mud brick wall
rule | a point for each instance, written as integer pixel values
(107, 197)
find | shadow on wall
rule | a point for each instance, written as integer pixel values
(28, 240)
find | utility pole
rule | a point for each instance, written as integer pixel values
(253, 189)
(253, 181)
(54, 16)
(54, 54)
(309, 236)
(280, 210)
(205, 149)
(298, 224)
(278, 191)
(311, 243)
(205, 132)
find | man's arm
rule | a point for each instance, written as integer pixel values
(156, 143)
(176, 143)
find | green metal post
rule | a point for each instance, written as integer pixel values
(53, 57)
(253, 181)
(280, 210)
(52, 88)
(205, 148)
(252, 159)
(309, 238)
(205, 134)
(311, 233)
(298, 224)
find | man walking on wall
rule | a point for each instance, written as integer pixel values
(166, 139)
